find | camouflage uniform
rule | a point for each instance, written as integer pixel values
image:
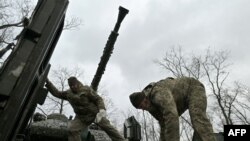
(170, 98)
(86, 105)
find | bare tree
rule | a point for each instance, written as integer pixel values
(179, 64)
(12, 20)
(145, 126)
(72, 23)
(230, 100)
(13, 12)
(186, 130)
(14, 16)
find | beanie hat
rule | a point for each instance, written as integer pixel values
(72, 80)
(136, 98)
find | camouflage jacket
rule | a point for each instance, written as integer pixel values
(179, 88)
(86, 103)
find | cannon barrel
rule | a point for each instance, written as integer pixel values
(108, 49)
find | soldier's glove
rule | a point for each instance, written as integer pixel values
(100, 115)
(47, 82)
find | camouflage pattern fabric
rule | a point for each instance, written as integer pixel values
(170, 98)
(110, 130)
(86, 104)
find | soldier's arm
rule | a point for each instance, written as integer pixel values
(93, 96)
(165, 102)
(54, 91)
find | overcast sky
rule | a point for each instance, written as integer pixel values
(150, 29)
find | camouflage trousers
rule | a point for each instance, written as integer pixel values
(197, 104)
(76, 126)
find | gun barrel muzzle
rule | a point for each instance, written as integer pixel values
(122, 13)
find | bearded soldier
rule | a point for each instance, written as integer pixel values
(168, 99)
(88, 107)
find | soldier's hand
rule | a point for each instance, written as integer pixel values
(100, 115)
(47, 82)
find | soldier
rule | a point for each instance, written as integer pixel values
(88, 107)
(168, 99)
